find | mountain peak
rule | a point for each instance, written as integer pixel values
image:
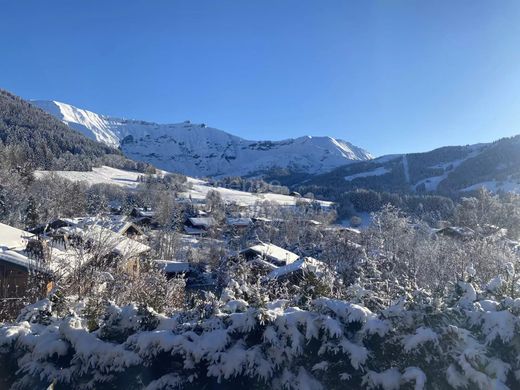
(198, 150)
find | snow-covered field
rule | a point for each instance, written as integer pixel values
(130, 179)
(101, 175)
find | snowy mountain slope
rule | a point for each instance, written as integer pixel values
(44, 141)
(197, 150)
(495, 166)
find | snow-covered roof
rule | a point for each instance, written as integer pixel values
(239, 221)
(63, 261)
(73, 221)
(70, 230)
(261, 219)
(307, 264)
(205, 222)
(340, 228)
(143, 212)
(116, 223)
(459, 231)
(21, 259)
(118, 243)
(15, 258)
(12, 238)
(273, 252)
(193, 231)
(174, 267)
(264, 264)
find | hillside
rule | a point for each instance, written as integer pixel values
(38, 139)
(452, 169)
(198, 150)
(197, 191)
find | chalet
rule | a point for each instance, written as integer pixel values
(16, 266)
(239, 223)
(196, 275)
(54, 225)
(59, 232)
(98, 241)
(347, 233)
(459, 232)
(269, 253)
(16, 270)
(143, 215)
(118, 224)
(297, 270)
(267, 223)
(139, 212)
(13, 238)
(174, 268)
(116, 244)
(199, 225)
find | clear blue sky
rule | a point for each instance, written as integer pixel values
(390, 76)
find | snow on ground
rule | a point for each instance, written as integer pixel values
(200, 189)
(101, 175)
(431, 183)
(406, 168)
(130, 179)
(495, 186)
(379, 171)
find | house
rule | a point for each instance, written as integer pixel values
(196, 276)
(297, 269)
(270, 253)
(60, 232)
(54, 225)
(13, 238)
(239, 223)
(174, 268)
(115, 243)
(16, 267)
(98, 241)
(16, 271)
(141, 212)
(199, 225)
(118, 224)
(143, 216)
(459, 232)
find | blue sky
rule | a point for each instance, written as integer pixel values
(389, 76)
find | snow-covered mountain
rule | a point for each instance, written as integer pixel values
(197, 150)
(451, 169)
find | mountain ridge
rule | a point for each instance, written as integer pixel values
(37, 140)
(494, 166)
(198, 150)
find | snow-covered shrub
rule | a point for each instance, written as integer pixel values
(467, 340)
